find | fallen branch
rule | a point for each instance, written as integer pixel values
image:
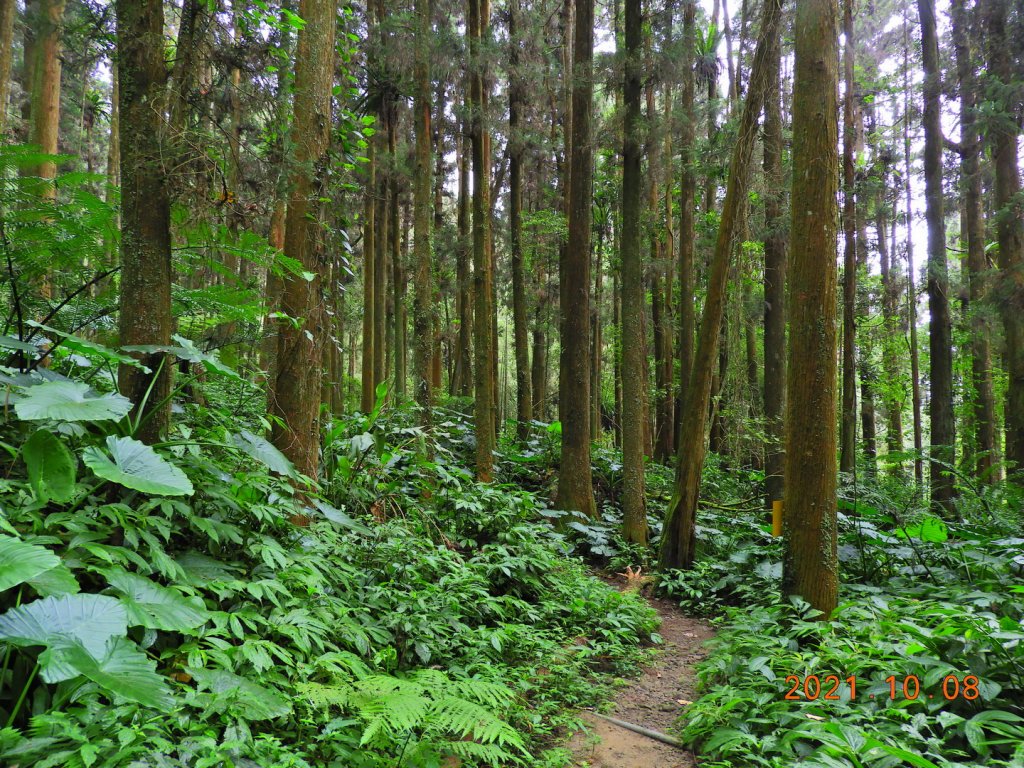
(656, 735)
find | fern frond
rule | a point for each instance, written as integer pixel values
(469, 719)
(490, 754)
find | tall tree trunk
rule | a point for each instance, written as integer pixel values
(369, 353)
(679, 536)
(940, 342)
(442, 330)
(520, 322)
(7, 14)
(687, 203)
(381, 219)
(45, 89)
(810, 565)
(973, 239)
(145, 302)
(113, 159)
(539, 359)
(774, 284)
(658, 165)
(399, 280)
(423, 309)
(596, 337)
(1009, 219)
(893, 336)
(915, 365)
(463, 386)
(224, 332)
(848, 432)
(282, 104)
(617, 351)
(483, 373)
(563, 172)
(634, 355)
(575, 490)
(865, 362)
(295, 394)
(730, 64)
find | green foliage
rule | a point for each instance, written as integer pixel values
(21, 562)
(51, 467)
(70, 401)
(137, 466)
(172, 612)
(921, 597)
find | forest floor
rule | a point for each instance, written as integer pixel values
(652, 701)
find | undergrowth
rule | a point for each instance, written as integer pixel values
(927, 639)
(160, 607)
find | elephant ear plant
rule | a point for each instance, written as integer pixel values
(52, 629)
(153, 595)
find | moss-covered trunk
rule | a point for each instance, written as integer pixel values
(810, 565)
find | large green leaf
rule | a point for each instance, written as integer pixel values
(89, 348)
(56, 581)
(264, 452)
(929, 528)
(57, 621)
(21, 561)
(186, 350)
(51, 467)
(70, 401)
(240, 695)
(137, 466)
(9, 342)
(121, 669)
(154, 606)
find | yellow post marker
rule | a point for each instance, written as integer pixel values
(777, 518)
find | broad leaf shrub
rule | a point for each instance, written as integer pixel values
(921, 597)
(158, 607)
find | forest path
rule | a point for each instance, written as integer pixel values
(652, 701)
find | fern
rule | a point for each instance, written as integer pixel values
(452, 716)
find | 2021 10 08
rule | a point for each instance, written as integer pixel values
(832, 687)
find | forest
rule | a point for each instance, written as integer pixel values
(553, 383)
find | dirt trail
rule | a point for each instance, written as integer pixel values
(651, 701)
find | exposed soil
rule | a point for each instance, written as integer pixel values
(652, 701)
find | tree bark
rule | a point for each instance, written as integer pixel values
(7, 14)
(295, 394)
(865, 357)
(1009, 220)
(282, 104)
(399, 315)
(774, 284)
(848, 432)
(893, 333)
(596, 336)
(520, 322)
(973, 239)
(634, 355)
(483, 374)
(575, 491)
(381, 219)
(145, 301)
(940, 342)
(915, 365)
(463, 384)
(45, 90)
(810, 565)
(687, 203)
(369, 353)
(679, 536)
(423, 309)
